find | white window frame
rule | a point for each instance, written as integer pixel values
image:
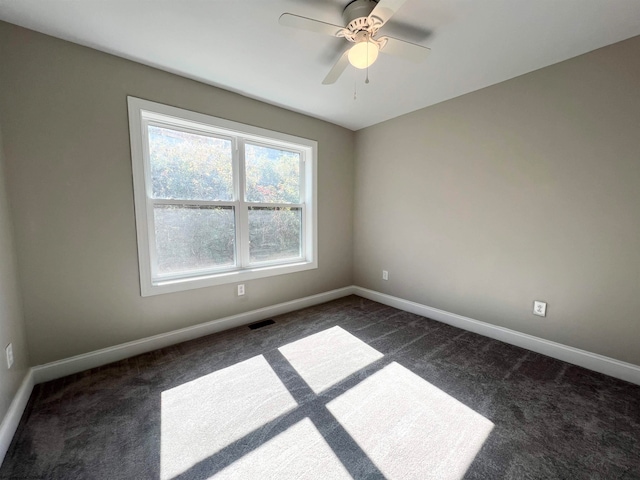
(143, 113)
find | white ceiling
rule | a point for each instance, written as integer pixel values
(238, 45)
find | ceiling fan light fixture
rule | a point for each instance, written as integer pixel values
(363, 54)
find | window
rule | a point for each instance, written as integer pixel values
(217, 201)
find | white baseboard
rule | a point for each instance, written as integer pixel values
(79, 363)
(592, 361)
(12, 418)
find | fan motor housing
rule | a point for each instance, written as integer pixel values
(358, 10)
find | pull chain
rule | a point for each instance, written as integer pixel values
(367, 79)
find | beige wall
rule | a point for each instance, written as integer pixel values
(63, 112)
(11, 318)
(526, 190)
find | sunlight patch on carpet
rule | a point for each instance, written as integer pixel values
(298, 452)
(201, 417)
(409, 428)
(327, 357)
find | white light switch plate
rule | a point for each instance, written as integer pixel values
(540, 308)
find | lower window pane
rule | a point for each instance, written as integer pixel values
(274, 233)
(191, 238)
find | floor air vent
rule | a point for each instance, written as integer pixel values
(261, 324)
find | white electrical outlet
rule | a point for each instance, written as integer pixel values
(540, 308)
(240, 290)
(385, 275)
(9, 351)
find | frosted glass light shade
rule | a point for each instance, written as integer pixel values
(363, 54)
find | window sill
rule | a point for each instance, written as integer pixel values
(237, 276)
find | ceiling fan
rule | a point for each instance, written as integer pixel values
(363, 19)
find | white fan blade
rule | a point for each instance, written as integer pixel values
(400, 48)
(385, 10)
(337, 69)
(305, 23)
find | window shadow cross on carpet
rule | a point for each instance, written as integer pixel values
(311, 406)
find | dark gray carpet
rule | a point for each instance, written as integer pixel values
(348, 389)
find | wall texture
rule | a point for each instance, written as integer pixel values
(11, 318)
(526, 190)
(63, 112)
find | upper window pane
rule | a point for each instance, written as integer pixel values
(272, 175)
(189, 166)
